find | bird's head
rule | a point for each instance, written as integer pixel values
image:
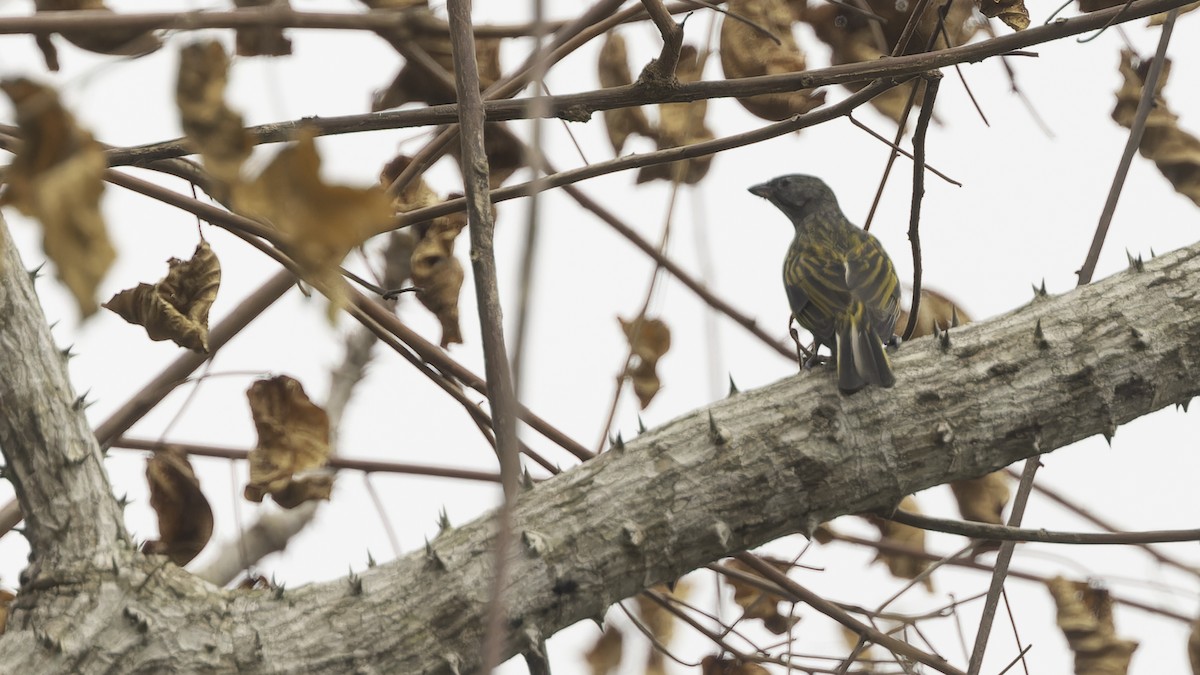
(796, 195)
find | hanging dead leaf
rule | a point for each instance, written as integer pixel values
(730, 665)
(1011, 12)
(212, 128)
(681, 124)
(1085, 618)
(648, 340)
(660, 622)
(757, 603)
(982, 499)
(1174, 151)
(414, 83)
(505, 153)
(117, 41)
(175, 308)
(903, 565)
(185, 520)
(57, 177)
(747, 52)
(321, 222)
(605, 655)
(293, 440)
(935, 311)
(263, 40)
(438, 274)
(6, 598)
(621, 123)
(855, 38)
(415, 195)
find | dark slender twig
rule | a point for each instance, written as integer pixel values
(910, 27)
(880, 137)
(335, 462)
(1000, 572)
(1005, 533)
(914, 217)
(580, 106)
(1107, 24)
(1012, 621)
(802, 594)
(1145, 104)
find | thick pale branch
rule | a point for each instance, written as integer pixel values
(730, 477)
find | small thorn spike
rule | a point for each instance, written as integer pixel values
(733, 388)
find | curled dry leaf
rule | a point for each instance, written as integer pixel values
(730, 665)
(613, 67)
(1158, 20)
(211, 127)
(1174, 151)
(263, 40)
(431, 34)
(982, 499)
(6, 598)
(757, 603)
(57, 177)
(648, 340)
(175, 308)
(854, 38)
(747, 52)
(185, 520)
(293, 438)
(321, 222)
(1085, 618)
(605, 655)
(1011, 12)
(660, 622)
(681, 124)
(118, 41)
(936, 310)
(899, 564)
(436, 273)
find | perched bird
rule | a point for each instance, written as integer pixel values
(839, 281)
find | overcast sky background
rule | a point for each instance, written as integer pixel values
(1026, 213)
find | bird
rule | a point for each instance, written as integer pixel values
(840, 282)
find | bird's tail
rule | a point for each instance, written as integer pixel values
(861, 359)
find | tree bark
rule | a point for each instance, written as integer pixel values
(731, 476)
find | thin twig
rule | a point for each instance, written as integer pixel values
(914, 217)
(1145, 104)
(988, 531)
(802, 594)
(879, 137)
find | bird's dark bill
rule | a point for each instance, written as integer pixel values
(762, 190)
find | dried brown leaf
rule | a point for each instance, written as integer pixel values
(415, 195)
(118, 41)
(175, 308)
(414, 83)
(1085, 618)
(1011, 12)
(1174, 151)
(746, 52)
(605, 655)
(729, 665)
(263, 40)
(757, 603)
(649, 340)
(656, 618)
(621, 123)
(438, 274)
(899, 564)
(185, 520)
(211, 127)
(293, 438)
(935, 311)
(321, 222)
(982, 499)
(6, 598)
(57, 177)
(681, 124)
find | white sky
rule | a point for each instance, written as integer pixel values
(1027, 212)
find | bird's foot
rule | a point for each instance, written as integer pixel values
(814, 360)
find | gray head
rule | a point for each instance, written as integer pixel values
(796, 195)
